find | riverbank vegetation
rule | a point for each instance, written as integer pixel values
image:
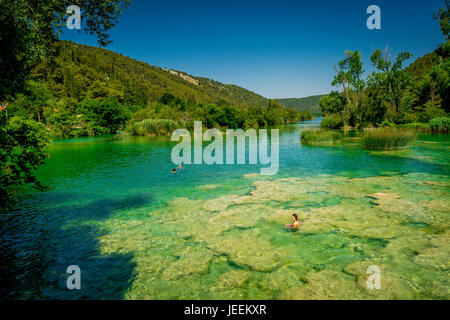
(152, 127)
(440, 125)
(59, 89)
(219, 115)
(74, 90)
(87, 91)
(333, 121)
(388, 139)
(392, 94)
(22, 144)
(29, 36)
(319, 137)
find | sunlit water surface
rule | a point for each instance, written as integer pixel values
(217, 232)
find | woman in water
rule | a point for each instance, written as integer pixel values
(295, 225)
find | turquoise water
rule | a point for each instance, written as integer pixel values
(216, 232)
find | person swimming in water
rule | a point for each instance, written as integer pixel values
(180, 167)
(174, 170)
(295, 225)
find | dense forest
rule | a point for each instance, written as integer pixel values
(80, 71)
(391, 95)
(310, 104)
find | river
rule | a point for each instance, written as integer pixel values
(216, 231)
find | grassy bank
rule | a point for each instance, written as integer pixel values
(389, 139)
(317, 137)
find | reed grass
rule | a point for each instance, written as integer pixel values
(389, 139)
(318, 137)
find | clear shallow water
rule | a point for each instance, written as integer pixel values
(216, 232)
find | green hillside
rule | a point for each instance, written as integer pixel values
(423, 64)
(310, 104)
(81, 71)
(87, 91)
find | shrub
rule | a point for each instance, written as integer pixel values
(22, 151)
(403, 118)
(332, 121)
(389, 139)
(321, 137)
(440, 125)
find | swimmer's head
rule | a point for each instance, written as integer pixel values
(295, 217)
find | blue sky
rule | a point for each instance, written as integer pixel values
(279, 49)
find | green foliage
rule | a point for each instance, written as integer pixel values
(420, 67)
(104, 117)
(443, 16)
(440, 125)
(319, 137)
(308, 104)
(142, 114)
(418, 93)
(333, 121)
(422, 127)
(332, 103)
(22, 143)
(430, 112)
(220, 115)
(28, 29)
(389, 139)
(349, 76)
(432, 89)
(392, 94)
(387, 124)
(66, 118)
(152, 127)
(31, 103)
(390, 78)
(91, 91)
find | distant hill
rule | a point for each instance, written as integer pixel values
(81, 71)
(310, 104)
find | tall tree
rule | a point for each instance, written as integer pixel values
(391, 76)
(349, 75)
